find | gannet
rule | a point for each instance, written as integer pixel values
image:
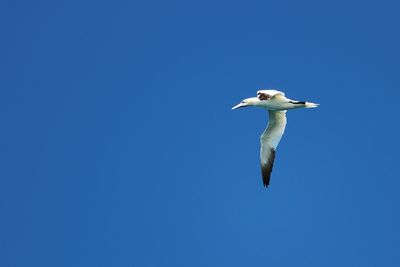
(277, 104)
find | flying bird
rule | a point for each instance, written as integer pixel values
(277, 104)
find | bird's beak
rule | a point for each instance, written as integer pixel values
(246, 103)
(240, 105)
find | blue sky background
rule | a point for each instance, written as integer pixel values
(119, 146)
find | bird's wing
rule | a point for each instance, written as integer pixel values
(270, 92)
(269, 141)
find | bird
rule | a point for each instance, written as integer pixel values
(277, 104)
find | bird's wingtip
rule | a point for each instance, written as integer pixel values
(266, 168)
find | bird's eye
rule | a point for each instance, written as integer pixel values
(243, 102)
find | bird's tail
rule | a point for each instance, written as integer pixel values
(310, 105)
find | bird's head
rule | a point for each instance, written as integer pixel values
(252, 101)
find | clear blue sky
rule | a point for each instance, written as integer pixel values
(119, 146)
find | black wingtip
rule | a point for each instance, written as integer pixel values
(298, 102)
(267, 169)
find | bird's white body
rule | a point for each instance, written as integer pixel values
(276, 101)
(277, 104)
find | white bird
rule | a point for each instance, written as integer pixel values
(277, 104)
